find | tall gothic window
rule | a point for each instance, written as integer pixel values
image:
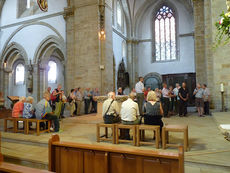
(19, 74)
(165, 35)
(52, 74)
(119, 14)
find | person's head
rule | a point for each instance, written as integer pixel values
(22, 99)
(132, 95)
(164, 85)
(204, 86)
(59, 87)
(62, 91)
(120, 89)
(171, 88)
(184, 85)
(111, 95)
(177, 85)
(87, 89)
(151, 96)
(46, 96)
(198, 86)
(49, 89)
(79, 88)
(156, 89)
(148, 89)
(30, 99)
(133, 90)
(96, 89)
(72, 90)
(141, 79)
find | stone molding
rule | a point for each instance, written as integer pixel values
(68, 12)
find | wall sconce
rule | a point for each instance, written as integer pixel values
(101, 34)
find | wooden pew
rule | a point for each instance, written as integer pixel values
(12, 168)
(67, 157)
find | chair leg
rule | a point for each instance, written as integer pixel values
(106, 132)
(138, 136)
(98, 133)
(134, 135)
(25, 126)
(185, 141)
(163, 138)
(113, 135)
(49, 122)
(117, 135)
(15, 122)
(143, 135)
(5, 125)
(157, 136)
(38, 128)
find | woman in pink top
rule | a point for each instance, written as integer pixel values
(18, 108)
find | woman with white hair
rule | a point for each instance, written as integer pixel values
(18, 108)
(153, 110)
(28, 111)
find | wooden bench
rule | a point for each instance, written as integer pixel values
(37, 130)
(142, 128)
(91, 158)
(13, 128)
(174, 128)
(130, 127)
(105, 136)
(26, 122)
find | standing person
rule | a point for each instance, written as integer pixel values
(79, 98)
(139, 87)
(48, 90)
(94, 100)
(199, 94)
(55, 96)
(87, 97)
(44, 111)
(171, 100)
(184, 95)
(158, 94)
(177, 98)
(71, 100)
(146, 92)
(64, 101)
(120, 91)
(165, 99)
(207, 98)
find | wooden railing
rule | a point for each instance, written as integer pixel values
(65, 157)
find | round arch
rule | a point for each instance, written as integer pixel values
(153, 80)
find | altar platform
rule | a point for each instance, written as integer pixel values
(209, 153)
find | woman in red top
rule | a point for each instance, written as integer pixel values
(18, 108)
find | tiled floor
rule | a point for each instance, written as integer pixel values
(209, 152)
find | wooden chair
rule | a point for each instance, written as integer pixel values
(17, 129)
(154, 129)
(130, 127)
(105, 136)
(174, 128)
(6, 128)
(37, 130)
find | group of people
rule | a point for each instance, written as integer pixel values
(53, 104)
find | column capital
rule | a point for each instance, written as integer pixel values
(68, 12)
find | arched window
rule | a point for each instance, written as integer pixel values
(165, 35)
(19, 74)
(52, 74)
(119, 14)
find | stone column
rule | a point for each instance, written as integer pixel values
(199, 37)
(85, 66)
(6, 85)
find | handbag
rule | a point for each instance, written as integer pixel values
(108, 108)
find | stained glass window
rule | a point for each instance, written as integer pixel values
(19, 74)
(165, 35)
(52, 74)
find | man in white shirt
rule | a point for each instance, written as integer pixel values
(177, 98)
(139, 87)
(130, 113)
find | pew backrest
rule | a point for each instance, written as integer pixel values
(67, 157)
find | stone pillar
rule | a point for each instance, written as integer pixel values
(85, 66)
(6, 85)
(199, 36)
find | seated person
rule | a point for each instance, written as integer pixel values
(18, 108)
(28, 111)
(130, 114)
(110, 110)
(153, 110)
(44, 111)
(2, 100)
